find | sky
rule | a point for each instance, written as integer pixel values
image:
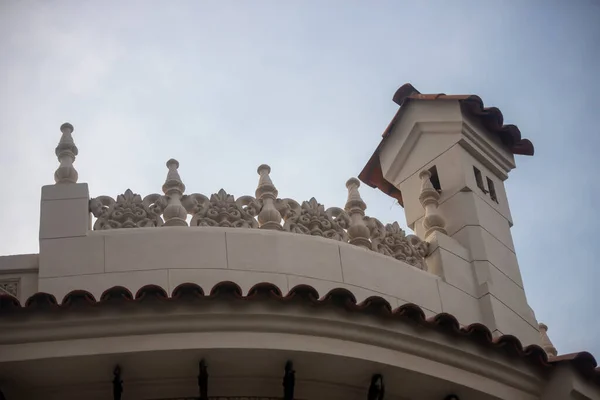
(306, 87)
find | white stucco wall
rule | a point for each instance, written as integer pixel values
(169, 256)
(21, 269)
(480, 259)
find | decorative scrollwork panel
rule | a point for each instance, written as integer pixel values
(392, 241)
(311, 218)
(10, 287)
(129, 210)
(265, 211)
(222, 209)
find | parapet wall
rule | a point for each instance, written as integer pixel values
(178, 237)
(170, 256)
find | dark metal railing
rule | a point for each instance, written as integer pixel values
(376, 390)
(117, 383)
(203, 380)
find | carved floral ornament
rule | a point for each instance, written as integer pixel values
(10, 287)
(129, 210)
(264, 211)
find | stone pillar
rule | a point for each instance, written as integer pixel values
(355, 207)
(64, 208)
(429, 198)
(546, 342)
(65, 211)
(268, 217)
(65, 248)
(175, 213)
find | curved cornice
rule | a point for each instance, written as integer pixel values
(377, 331)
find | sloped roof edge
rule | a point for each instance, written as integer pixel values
(490, 117)
(583, 362)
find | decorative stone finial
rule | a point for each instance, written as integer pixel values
(266, 193)
(429, 198)
(355, 207)
(175, 213)
(546, 343)
(66, 152)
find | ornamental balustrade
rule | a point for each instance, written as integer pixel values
(264, 210)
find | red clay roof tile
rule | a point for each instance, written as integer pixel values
(583, 362)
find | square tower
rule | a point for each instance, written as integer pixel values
(469, 153)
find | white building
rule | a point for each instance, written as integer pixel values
(265, 297)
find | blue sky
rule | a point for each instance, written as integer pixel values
(306, 87)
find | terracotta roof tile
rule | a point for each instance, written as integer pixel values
(187, 289)
(151, 291)
(116, 293)
(490, 117)
(583, 362)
